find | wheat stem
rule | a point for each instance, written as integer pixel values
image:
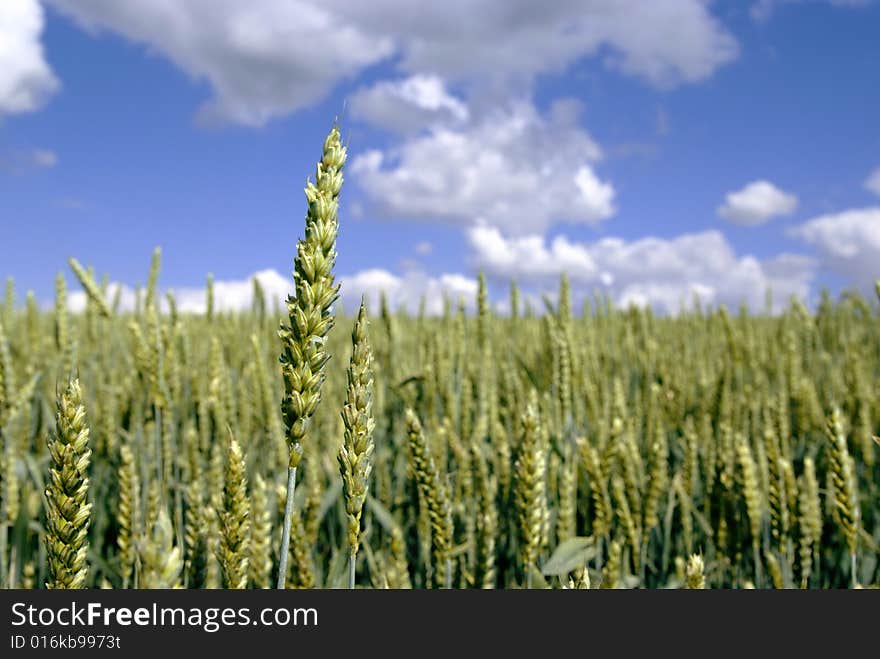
(285, 529)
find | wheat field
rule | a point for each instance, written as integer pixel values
(551, 447)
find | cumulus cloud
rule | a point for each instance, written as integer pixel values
(263, 59)
(511, 168)
(756, 203)
(872, 183)
(406, 291)
(662, 42)
(229, 294)
(26, 81)
(234, 294)
(849, 243)
(408, 105)
(266, 58)
(663, 273)
(76, 300)
(403, 291)
(530, 257)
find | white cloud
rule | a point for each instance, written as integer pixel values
(26, 81)
(408, 105)
(235, 294)
(266, 58)
(229, 294)
(529, 257)
(263, 59)
(664, 273)
(756, 203)
(510, 168)
(849, 243)
(76, 299)
(872, 183)
(424, 248)
(662, 42)
(405, 291)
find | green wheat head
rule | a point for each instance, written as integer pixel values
(67, 507)
(355, 454)
(304, 353)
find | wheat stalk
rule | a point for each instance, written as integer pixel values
(67, 508)
(433, 495)
(810, 520)
(487, 521)
(355, 454)
(161, 558)
(128, 513)
(754, 500)
(235, 521)
(530, 491)
(846, 502)
(303, 340)
(87, 281)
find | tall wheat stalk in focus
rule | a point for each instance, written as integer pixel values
(310, 311)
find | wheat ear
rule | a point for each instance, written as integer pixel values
(128, 513)
(67, 509)
(91, 287)
(355, 454)
(235, 521)
(433, 494)
(846, 501)
(530, 491)
(694, 573)
(162, 559)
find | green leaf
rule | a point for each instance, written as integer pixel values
(337, 574)
(382, 514)
(569, 555)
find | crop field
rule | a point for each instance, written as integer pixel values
(556, 447)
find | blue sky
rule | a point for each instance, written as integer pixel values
(654, 150)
